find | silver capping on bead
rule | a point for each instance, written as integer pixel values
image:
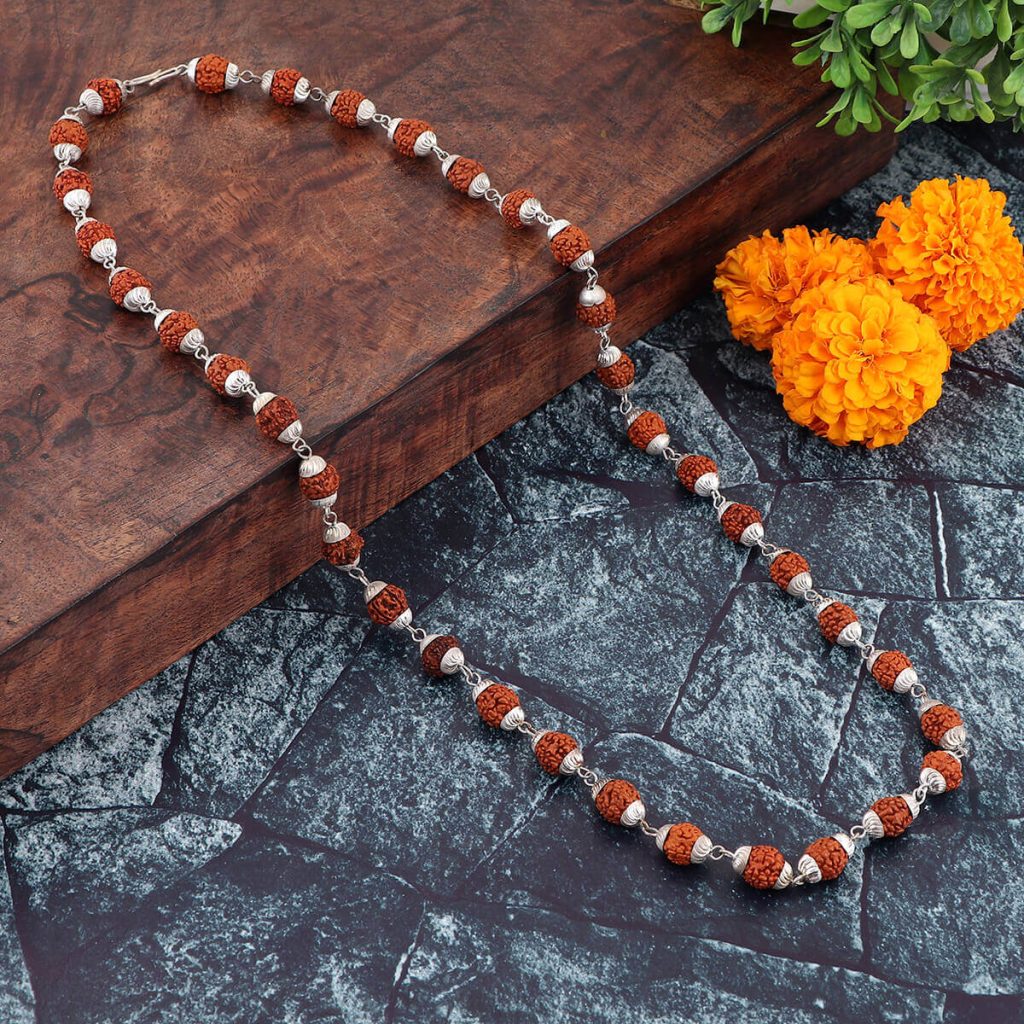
(529, 209)
(785, 876)
(393, 124)
(329, 100)
(592, 295)
(266, 80)
(448, 162)
(77, 199)
(873, 826)
(808, 867)
(312, 466)
(706, 484)
(845, 841)
(572, 762)
(739, 859)
(291, 433)
(850, 634)
(365, 112)
(933, 779)
(92, 101)
(800, 584)
(608, 356)
(190, 69)
(263, 399)
(633, 814)
(231, 76)
(301, 92)
(632, 416)
(906, 680)
(480, 687)
(658, 444)
(193, 342)
(334, 533)
(424, 144)
(583, 263)
(752, 534)
(912, 803)
(659, 839)
(554, 228)
(513, 719)
(161, 317)
(479, 186)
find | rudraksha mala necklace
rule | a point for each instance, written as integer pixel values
(617, 801)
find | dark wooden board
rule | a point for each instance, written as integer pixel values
(141, 514)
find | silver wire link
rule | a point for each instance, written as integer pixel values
(720, 853)
(154, 78)
(248, 76)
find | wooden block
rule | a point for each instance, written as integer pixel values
(141, 513)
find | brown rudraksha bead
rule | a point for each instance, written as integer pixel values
(736, 518)
(124, 281)
(511, 205)
(462, 172)
(601, 315)
(764, 867)
(678, 845)
(91, 232)
(834, 618)
(645, 428)
(786, 567)
(551, 750)
(435, 651)
(345, 107)
(613, 799)
(495, 702)
(68, 179)
(829, 855)
(174, 327)
(344, 552)
(894, 814)
(385, 606)
(325, 483)
(282, 86)
(210, 73)
(938, 720)
(948, 766)
(619, 375)
(67, 130)
(692, 468)
(221, 367)
(277, 414)
(887, 667)
(569, 245)
(408, 131)
(109, 91)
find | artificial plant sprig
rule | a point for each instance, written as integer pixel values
(953, 60)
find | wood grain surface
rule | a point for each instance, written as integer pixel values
(140, 513)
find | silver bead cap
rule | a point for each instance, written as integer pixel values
(312, 466)
(740, 859)
(478, 186)
(427, 641)
(448, 162)
(608, 356)
(264, 398)
(583, 263)
(513, 719)
(572, 762)
(334, 533)
(266, 80)
(658, 444)
(556, 227)
(365, 112)
(393, 124)
(424, 143)
(808, 867)
(593, 296)
(721, 508)
(329, 100)
(845, 841)
(372, 590)
(633, 814)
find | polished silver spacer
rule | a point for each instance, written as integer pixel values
(365, 112)
(608, 356)
(425, 143)
(808, 867)
(478, 186)
(739, 859)
(633, 814)
(529, 210)
(933, 779)
(554, 228)
(77, 199)
(513, 719)
(872, 824)
(334, 533)
(592, 295)
(706, 484)
(193, 342)
(658, 444)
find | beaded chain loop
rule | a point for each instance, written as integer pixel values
(616, 800)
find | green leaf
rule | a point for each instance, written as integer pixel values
(716, 19)
(812, 17)
(835, 6)
(1015, 80)
(909, 40)
(884, 31)
(885, 79)
(1004, 23)
(865, 14)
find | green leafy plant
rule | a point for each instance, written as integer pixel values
(955, 60)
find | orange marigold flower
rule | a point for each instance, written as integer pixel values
(953, 253)
(858, 362)
(761, 278)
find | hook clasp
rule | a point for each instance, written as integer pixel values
(155, 77)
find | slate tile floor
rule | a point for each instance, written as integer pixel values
(292, 826)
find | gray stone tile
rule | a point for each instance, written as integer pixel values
(970, 655)
(398, 769)
(768, 695)
(503, 966)
(115, 759)
(982, 527)
(17, 1003)
(953, 441)
(604, 611)
(566, 859)
(865, 535)
(423, 544)
(571, 458)
(251, 690)
(267, 934)
(998, 143)
(944, 906)
(77, 873)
